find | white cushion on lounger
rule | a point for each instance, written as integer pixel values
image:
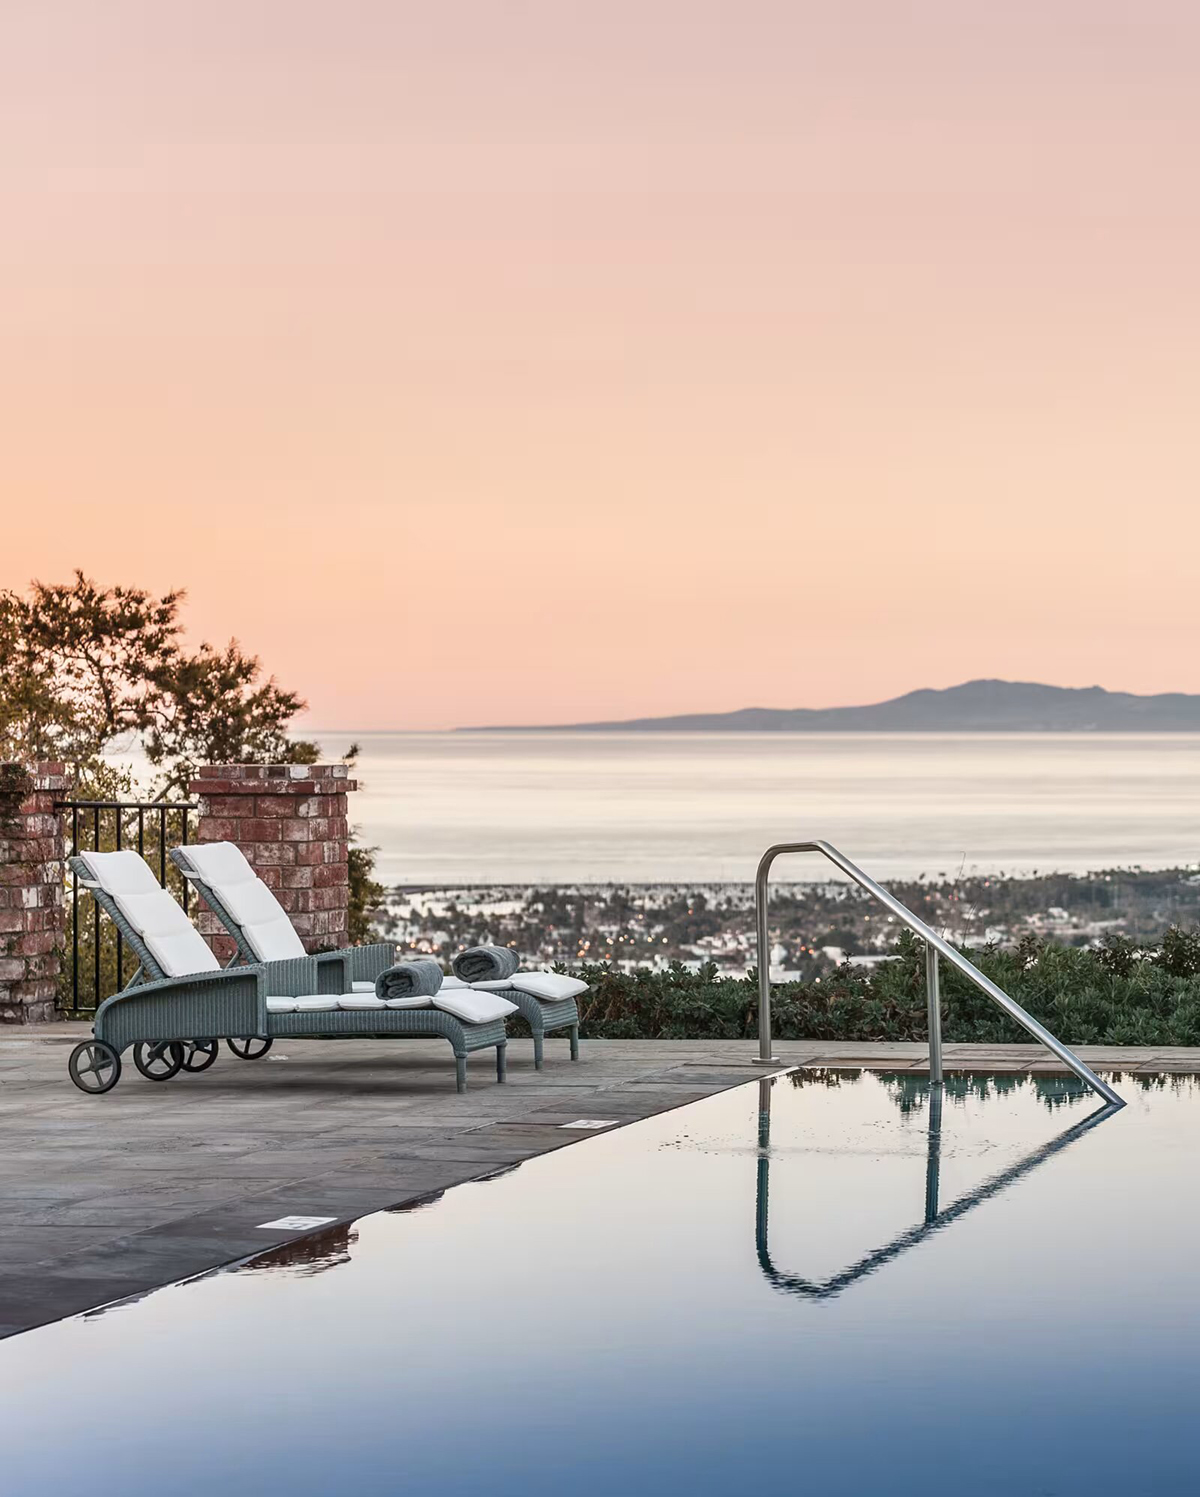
(360, 1000)
(221, 864)
(120, 872)
(319, 1003)
(281, 1005)
(174, 942)
(419, 1001)
(272, 940)
(550, 987)
(183, 952)
(493, 985)
(268, 931)
(250, 903)
(473, 1007)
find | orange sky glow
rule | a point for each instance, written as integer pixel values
(545, 360)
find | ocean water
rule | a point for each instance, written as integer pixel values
(662, 807)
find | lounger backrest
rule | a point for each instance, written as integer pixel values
(263, 921)
(170, 937)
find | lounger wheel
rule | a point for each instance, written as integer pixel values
(158, 1060)
(251, 1047)
(198, 1055)
(94, 1067)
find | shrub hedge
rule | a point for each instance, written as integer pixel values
(1117, 994)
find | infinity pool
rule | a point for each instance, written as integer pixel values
(824, 1283)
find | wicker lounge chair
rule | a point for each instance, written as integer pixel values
(258, 923)
(544, 1015)
(180, 1002)
(546, 1018)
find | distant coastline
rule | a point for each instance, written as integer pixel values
(974, 707)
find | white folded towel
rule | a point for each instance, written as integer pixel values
(455, 982)
(362, 987)
(550, 987)
(473, 1007)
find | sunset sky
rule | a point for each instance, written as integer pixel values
(535, 360)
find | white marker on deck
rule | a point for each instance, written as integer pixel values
(295, 1223)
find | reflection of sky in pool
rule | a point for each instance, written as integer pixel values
(599, 1321)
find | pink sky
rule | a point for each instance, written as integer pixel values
(542, 360)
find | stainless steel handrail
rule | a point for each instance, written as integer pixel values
(935, 947)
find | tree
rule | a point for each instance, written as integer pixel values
(366, 895)
(210, 708)
(85, 669)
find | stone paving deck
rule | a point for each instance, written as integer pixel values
(105, 1197)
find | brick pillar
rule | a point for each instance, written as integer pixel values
(290, 821)
(32, 909)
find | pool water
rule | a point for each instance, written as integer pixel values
(825, 1282)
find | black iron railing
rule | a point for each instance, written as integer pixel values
(96, 963)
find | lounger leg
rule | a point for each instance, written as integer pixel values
(574, 1041)
(538, 1047)
(501, 1061)
(460, 1072)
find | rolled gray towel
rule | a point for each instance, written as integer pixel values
(419, 978)
(485, 964)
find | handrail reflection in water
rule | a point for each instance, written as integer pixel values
(935, 1219)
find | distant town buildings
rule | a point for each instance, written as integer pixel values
(814, 927)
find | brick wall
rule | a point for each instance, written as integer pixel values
(32, 908)
(290, 821)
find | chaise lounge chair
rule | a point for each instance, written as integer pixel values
(262, 930)
(546, 1000)
(180, 1002)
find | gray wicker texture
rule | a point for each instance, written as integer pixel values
(207, 1005)
(290, 978)
(363, 963)
(232, 1004)
(398, 1023)
(543, 1018)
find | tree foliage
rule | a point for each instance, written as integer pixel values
(86, 669)
(366, 895)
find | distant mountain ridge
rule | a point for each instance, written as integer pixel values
(974, 707)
